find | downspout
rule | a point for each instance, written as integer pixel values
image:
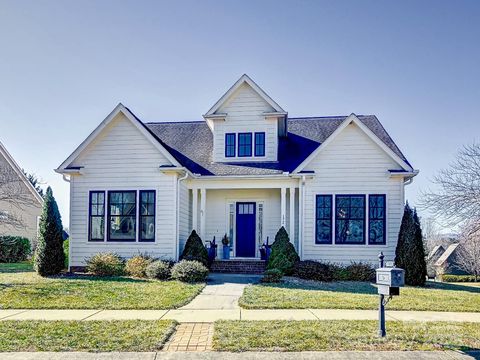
(301, 214)
(177, 224)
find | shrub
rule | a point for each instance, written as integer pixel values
(314, 270)
(106, 264)
(49, 256)
(66, 246)
(458, 278)
(159, 269)
(359, 271)
(272, 276)
(283, 256)
(195, 250)
(14, 249)
(137, 265)
(189, 271)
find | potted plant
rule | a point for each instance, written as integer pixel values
(226, 247)
(265, 250)
(212, 251)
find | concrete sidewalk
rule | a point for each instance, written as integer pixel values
(211, 315)
(328, 355)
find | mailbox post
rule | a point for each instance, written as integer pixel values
(389, 280)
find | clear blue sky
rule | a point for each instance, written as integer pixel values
(64, 65)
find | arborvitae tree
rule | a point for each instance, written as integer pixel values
(410, 254)
(283, 256)
(49, 255)
(194, 249)
(418, 268)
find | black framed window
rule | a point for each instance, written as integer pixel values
(147, 215)
(323, 219)
(350, 219)
(96, 221)
(229, 145)
(245, 144)
(259, 144)
(376, 219)
(122, 215)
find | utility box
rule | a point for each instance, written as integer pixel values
(391, 277)
(388, 290)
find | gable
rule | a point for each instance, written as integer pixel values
(351, 149)
(120, 112)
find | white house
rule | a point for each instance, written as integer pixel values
(335, 183)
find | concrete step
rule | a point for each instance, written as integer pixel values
(235, 266)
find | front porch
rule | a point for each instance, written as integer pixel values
(248, 211)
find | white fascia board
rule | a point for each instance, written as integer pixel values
(119, 108)
(352, 118)
(13, 164)
(244, 79)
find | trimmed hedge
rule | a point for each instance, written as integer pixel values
(189, 271)
(106, 264)
(459, 278)
(160, 270)
(272, 276)
(137, 265)
(319, 271)
(283, 256)
(14, 249)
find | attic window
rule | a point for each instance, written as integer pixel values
(229, 145)
(259, 144)
(244, 144)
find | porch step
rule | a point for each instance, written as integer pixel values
(238, 266)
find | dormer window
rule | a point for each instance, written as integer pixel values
(244, 144)
(259, 144)
(229, 145)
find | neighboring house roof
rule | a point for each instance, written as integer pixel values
(13, 164)
(191, 143)
(436, 252)
(446, 255)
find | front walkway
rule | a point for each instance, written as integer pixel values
(219, 301)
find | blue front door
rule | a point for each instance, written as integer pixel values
(245, 229)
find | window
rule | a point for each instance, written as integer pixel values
(147, 215)
(260, 144)
(376, 219)
(350, 219)
(122, 215)
(96, 221)
(324, 220)
(229, 145)
(245, 144)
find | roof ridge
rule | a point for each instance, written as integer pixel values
(323, 117)
(174, 122)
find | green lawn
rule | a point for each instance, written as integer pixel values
(358, 295)
(21, 288)
(343, 335)
(130, 335)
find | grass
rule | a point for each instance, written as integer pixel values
(129, 335)
(301, 294)
(343, 335)
(21, 288)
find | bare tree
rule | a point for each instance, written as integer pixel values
(467, 255)
(14, 194)
(458, 196)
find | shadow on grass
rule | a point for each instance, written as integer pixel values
(70, 276)
(358, 287)
(16, 267)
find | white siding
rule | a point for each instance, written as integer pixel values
(245, 110)
(352, 164)
(121, 158)
(185, 219)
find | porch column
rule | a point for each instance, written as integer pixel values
(283, 206)
(203, 203)
(195, 209)
(291, 227)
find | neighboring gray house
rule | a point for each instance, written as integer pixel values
(336, 183)
(18, 199)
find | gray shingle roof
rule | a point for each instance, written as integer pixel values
(191, 143)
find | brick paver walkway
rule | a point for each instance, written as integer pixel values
(191, 337)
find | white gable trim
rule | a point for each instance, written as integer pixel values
(243, 79)
(13, 164)
(118, 109)
(354, 119)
